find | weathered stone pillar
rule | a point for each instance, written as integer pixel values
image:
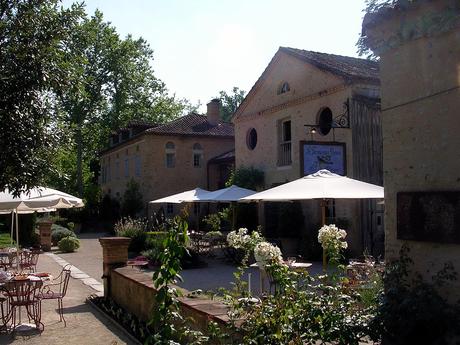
(44, 226)
(114, 255)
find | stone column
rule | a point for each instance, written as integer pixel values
(44, 227)
(114, 255)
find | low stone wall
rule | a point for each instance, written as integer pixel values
(133, 290)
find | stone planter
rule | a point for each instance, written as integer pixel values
(44, 228)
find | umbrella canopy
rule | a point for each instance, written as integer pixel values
(187, 196)
(229, 194)
(36, 199)
(320, 185)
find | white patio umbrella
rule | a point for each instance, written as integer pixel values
(187, 196)
(320, 185)
(38, 199)
(230, 194)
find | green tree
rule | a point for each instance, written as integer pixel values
(373, 6)
(132, 199)
(32, 33)
(230, 102)
(112, 82)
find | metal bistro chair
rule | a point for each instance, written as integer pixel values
(23, 293)
(28, 260)
(57, 290)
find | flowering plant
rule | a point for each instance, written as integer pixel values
(242, 240)
(267, 254)
(332, 241)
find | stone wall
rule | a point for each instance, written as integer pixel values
(133, 290)
(419, 51)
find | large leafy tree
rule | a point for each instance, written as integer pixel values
(32, 33)
(230, 102)
(112, 82)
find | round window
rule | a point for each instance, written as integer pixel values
(251, 139)
(325, 121)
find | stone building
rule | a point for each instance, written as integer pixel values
(419, 48)
(169, 158)
(309, 111)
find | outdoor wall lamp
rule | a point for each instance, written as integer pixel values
(326, 121)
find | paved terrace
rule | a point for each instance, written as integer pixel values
(84, 324)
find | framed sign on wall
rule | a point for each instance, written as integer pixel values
(317, 155)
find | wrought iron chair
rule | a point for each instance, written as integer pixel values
(57, 290)
(23, 293)
(28, 260)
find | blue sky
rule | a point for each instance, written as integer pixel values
(202, 46)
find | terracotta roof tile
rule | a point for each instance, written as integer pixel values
(344, 66)
(193, 124)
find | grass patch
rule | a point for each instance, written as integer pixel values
(5, 240)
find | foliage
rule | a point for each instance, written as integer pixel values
(374, 6)
(109, 208)
(32, 33)
(213, 220)
(411, 310)
(130, 322)
(166, 308)
(250, 178)
(69, 244)
(59, 232)
(210, 235)
(112, 82)
(136, 230)
(5, 240)
(154, 245)
(132, 199)
(242, 240)
(230, 102)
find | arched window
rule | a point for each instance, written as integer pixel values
(197, 155)
(170, 151)
(325, 121)
(251, 138)
(283, 88)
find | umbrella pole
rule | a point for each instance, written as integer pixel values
(323, 222)
(233, 215)
(12, 227)
(17, 232)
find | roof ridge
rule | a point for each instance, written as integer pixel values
(296, 50)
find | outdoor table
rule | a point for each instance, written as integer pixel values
(137, 263)
(295, 266)
(33, 277)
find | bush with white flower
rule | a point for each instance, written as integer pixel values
(242, 240)
(266, 254)
(332, 241)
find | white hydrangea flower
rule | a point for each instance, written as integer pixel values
(266, 253)
(331, 237)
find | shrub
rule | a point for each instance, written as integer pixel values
(213, 221)
(132, 202)
(135, 229)
(69, 244)
(58, 232)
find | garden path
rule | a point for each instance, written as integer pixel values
(84, 324)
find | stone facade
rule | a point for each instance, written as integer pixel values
(144, 158)
(419, 48)
(310, 89)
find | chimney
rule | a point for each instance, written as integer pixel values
(213, 111)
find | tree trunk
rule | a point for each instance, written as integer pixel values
(79, 142)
